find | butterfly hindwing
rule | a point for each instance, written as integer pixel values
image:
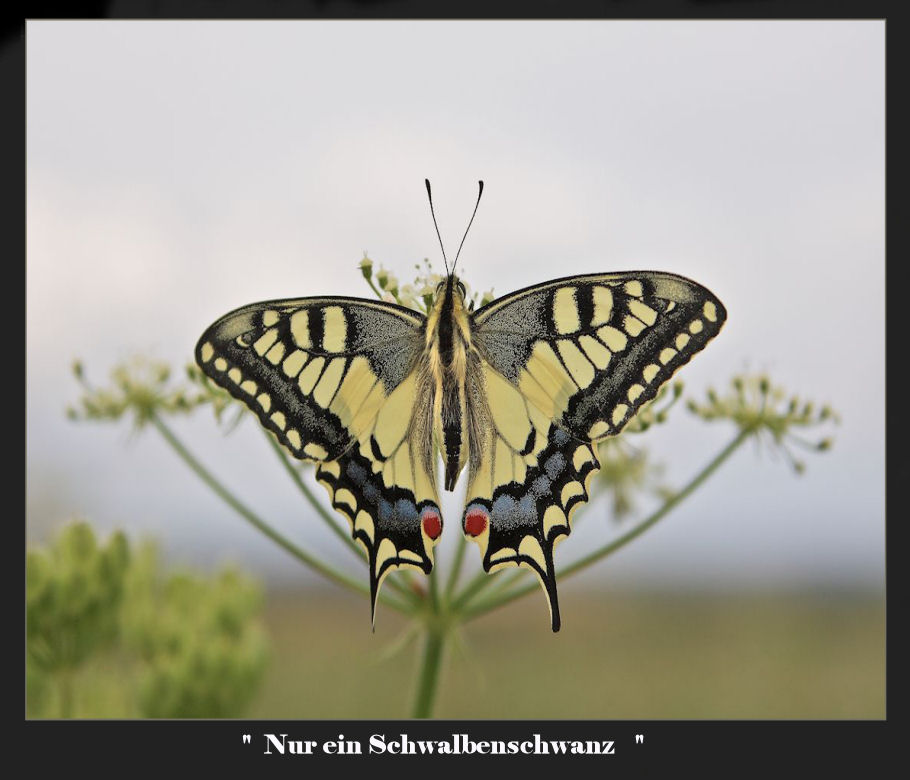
(335, 380)
(564, 364)
(519, 503)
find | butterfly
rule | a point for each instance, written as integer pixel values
(519, 391)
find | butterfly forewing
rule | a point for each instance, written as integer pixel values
(336, 380)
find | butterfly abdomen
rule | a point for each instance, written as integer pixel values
(447, 344)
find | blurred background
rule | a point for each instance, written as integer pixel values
(177, 170)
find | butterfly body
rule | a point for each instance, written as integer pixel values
(447, 355)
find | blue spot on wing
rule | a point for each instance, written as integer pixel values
(371, 493)
(540, 487)
(356, 472)
(405, 511)
(527, 511)
(554, 465)
(504, 505)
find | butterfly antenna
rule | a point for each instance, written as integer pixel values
(433, 214)
(479, 193)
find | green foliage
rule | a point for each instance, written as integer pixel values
(202, 652)
(73, 594)
(182, 645)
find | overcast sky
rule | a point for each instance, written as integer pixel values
(177, 170)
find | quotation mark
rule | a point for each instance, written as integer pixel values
(639, 738)
(246, 739)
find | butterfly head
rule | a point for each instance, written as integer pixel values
(451, 285)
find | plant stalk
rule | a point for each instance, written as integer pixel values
(430, 666)
(456, 568)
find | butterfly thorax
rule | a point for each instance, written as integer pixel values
(448, 346)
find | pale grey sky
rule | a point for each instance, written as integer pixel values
(177, 170)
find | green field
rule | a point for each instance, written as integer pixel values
(619, 655)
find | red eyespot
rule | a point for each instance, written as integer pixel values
(475, 522)
(432, 527)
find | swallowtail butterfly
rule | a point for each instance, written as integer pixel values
(520, 391)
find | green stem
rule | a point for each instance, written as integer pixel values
(430, 665)
(456, 568)
(225, 495)
(375, 289)
(433, 589)
(478, 583)
(498, 600)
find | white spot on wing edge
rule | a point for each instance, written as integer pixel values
(598, 429)
(385, 551)
(554, 517)
(315, 451)
(345, 496)
(619, 413)
(363, 522)
(530, 548)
